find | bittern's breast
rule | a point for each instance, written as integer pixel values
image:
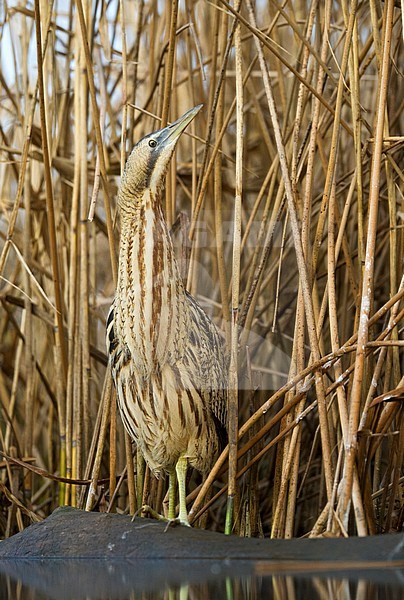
(151, 313)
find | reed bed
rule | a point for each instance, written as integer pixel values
(286, 207)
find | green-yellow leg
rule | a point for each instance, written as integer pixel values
(180, 474)
(171, 495)
(140, 470)
(181, 470)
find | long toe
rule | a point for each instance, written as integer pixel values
(153, 513)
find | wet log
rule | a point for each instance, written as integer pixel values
(72, 533)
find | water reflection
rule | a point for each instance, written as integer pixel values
(188, 580)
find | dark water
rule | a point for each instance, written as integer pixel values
(61, 579)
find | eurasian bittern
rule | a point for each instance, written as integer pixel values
(167, 357)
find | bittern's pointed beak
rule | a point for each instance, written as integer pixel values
(170, 134)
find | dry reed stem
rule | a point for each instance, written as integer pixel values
(300, 261)
(368, 274)
(233, 415)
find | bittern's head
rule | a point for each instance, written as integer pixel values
(149, 159)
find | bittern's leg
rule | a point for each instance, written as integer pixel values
(140, 470)
(180, 473)
(181, 470)
(171, 495)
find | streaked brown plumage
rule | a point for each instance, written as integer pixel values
(167, 357)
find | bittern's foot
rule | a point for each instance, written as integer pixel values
(176, 521)
(170, 522)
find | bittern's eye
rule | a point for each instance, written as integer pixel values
(152, 143)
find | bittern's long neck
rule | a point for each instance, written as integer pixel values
(151, 313)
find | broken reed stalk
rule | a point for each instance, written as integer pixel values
(299, 267)
(168, 77)
(97, 130)
(220, 35)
